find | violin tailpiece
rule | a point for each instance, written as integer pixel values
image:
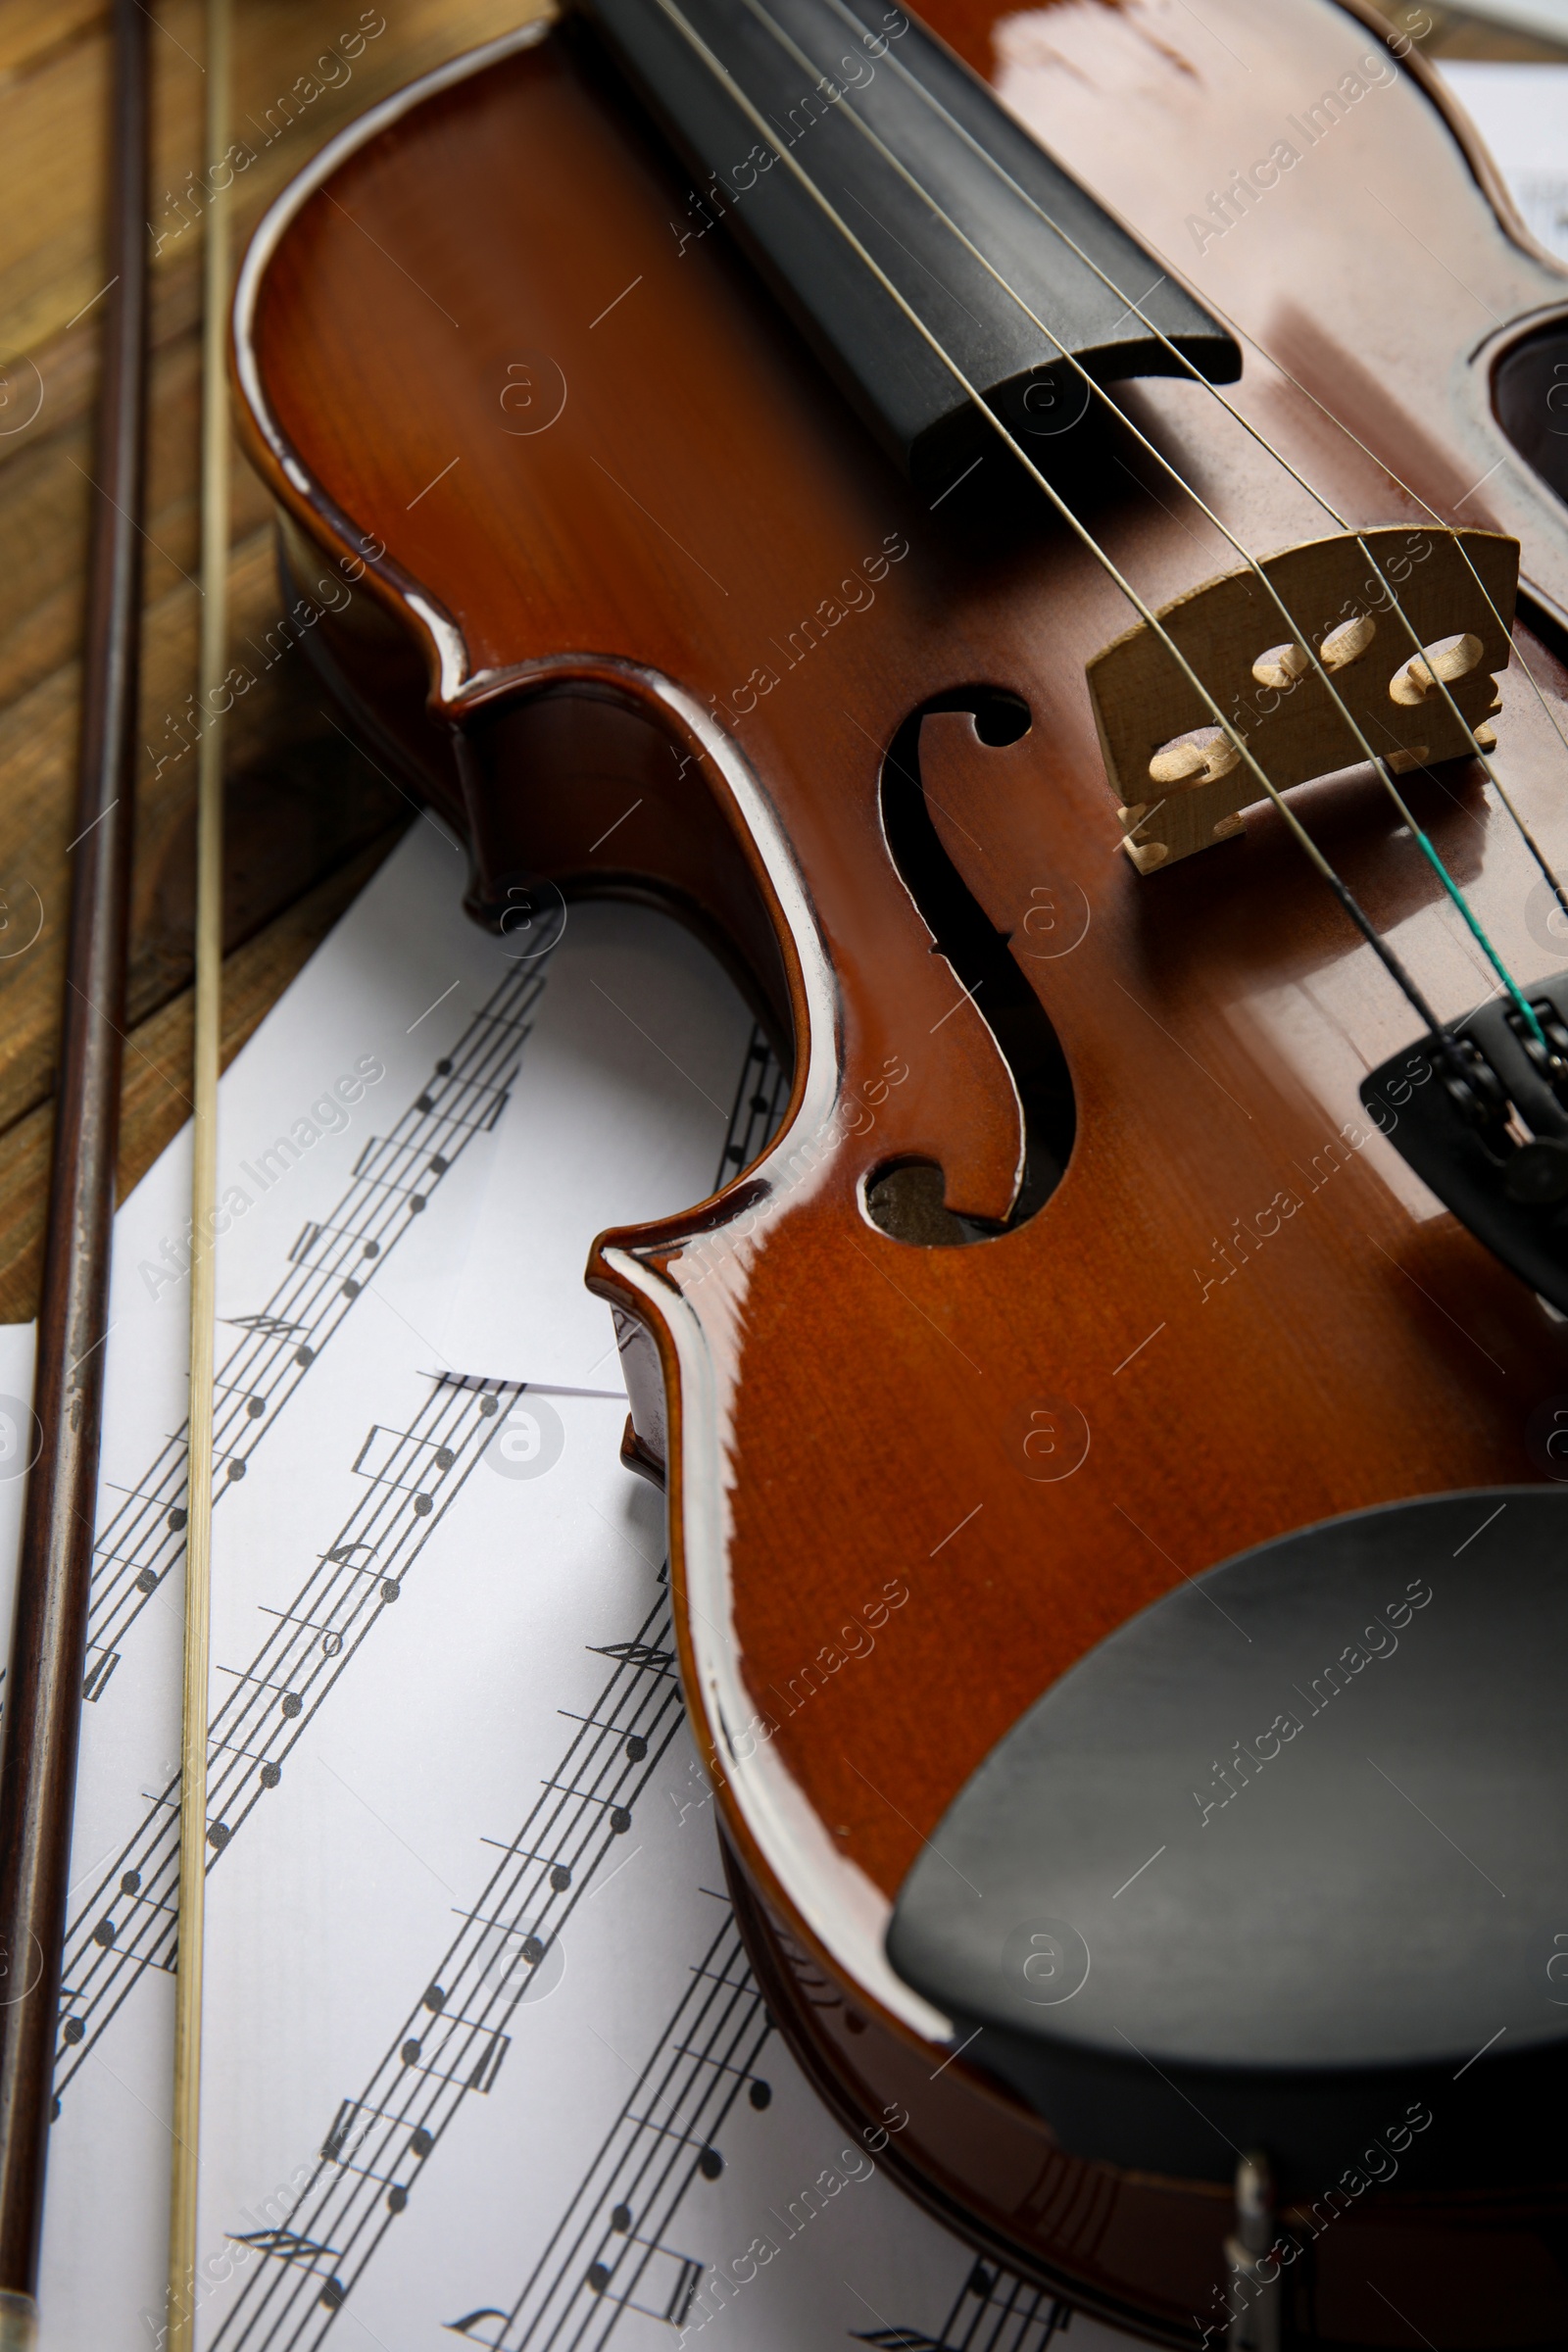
(1482, 1117)
(1179, 779)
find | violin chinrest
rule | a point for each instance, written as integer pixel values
(1278, 1863)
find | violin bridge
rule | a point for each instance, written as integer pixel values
(1182, 783)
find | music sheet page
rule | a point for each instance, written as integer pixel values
(483, 2056)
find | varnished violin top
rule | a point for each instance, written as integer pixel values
(632, 561)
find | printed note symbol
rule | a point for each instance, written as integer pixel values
(287, 2244)
(635, 1653)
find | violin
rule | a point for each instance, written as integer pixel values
(1041, 539)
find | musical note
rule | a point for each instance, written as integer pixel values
(453, 2041)
(484, 2073)
(638, 1653)
(705, 2054)
(281, 1341)
(274, 1701)
(685, 2289)
(675, 2306)
(705, 2059)
(401, 1460)
(287, 2244)
(385, 1162)
(1006, 2308)
(98, 1674)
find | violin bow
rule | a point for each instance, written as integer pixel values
(184, 2179)
(49, 1639)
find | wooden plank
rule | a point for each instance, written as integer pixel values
(308, 818)
(298, 802)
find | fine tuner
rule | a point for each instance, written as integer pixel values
(1482, 1115)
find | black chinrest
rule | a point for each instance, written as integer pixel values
(1283, 1864)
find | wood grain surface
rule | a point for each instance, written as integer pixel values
(309, 817)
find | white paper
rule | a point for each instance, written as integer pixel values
(635, 1059)
(19, 1445)
(455, 1744)
(1521, 111)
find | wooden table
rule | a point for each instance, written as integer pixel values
(308, 818)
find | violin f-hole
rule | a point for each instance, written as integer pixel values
(905, 1197)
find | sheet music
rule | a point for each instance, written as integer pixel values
(483, 2056)
(608, 1069)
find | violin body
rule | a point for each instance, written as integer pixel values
(641, 609)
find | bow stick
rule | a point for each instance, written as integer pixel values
(185, 2170)
(48, 1643)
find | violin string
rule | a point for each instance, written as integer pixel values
(1461, 903)
(1244, 335)
(1189, 367)
(1387, 955)
(1135, 306)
